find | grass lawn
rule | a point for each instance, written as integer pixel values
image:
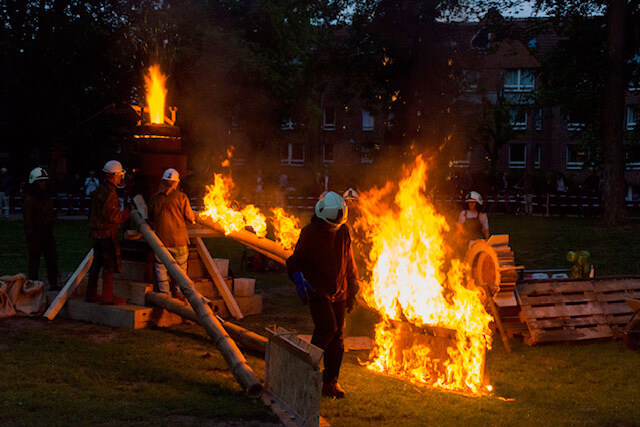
(62, 372)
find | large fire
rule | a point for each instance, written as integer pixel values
(218, 206)
(156, 94)
(419, 291)
(286, 228)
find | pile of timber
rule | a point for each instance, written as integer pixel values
(569, 309)
(137, 278)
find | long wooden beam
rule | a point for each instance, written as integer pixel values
(227, 347)
(218, 280)
(69, 287)
(250, 239)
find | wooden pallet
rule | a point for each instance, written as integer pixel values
(570, 310)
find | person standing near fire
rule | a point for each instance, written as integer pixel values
(39, 222)
(473, 220)
(169, 209)
(105, 218)
(324, 272)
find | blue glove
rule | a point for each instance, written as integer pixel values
(302, 286)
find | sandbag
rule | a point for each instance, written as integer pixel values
(27, 296)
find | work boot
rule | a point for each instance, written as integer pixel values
(107, 291)
(333, 389)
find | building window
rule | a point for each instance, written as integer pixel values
(461, 163)
(633, 114)
(518, 118)
(574, 122)
(328, 153)
(390, 119)
(575, 157)
(519, 80)
(538, 156)
(517, 156)
(367, 120)
(292, 154)
(287, 124)
(538, 124)
(632, 156)
(329, 118)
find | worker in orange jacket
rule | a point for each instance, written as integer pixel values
(105, 218)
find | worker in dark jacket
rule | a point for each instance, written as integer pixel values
(39, 220)
(169, 209)
(105, 218)
(323, 269)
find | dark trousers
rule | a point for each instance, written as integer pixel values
(328, 319)
(104, 257)
(44, 244)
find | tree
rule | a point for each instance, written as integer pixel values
(606, 72)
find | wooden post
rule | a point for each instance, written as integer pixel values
(218, 280)
(69, 287)
(227, 347)
(250, 239)
(244, 337)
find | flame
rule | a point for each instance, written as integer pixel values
(286, 228)
(217, 205)
(156, 94)
(417, 287)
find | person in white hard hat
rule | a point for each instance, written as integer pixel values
(105, 218)
(474, 221)
(169, 210)
(324, 272)
(39, 221)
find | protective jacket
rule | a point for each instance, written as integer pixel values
(105, 216)
(167, 215)
(326, 260)
(39, 218)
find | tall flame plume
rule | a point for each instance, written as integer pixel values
(156, 94)
(416, 284)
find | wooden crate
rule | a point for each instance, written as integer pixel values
(569, 310)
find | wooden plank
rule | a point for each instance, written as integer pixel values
(616, 308)
(619, 319)
(562, 310)
(218, 280)
(565, 322)
(600, 331)
(633, 303)
(528, 300)
(554, 287)
(616, 285)
(498, 240)
(70, 286)
(618, 296)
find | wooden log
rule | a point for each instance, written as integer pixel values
(244, 337)
(250, 239)
(70, 286)
(227, 347)
(218, 280)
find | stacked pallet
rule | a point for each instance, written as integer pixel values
(569, 310)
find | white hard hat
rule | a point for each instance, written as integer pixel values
(350, 194)
(332, 209)
(474, 196)
(113, 166)
(38, 174)
(171, 175)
